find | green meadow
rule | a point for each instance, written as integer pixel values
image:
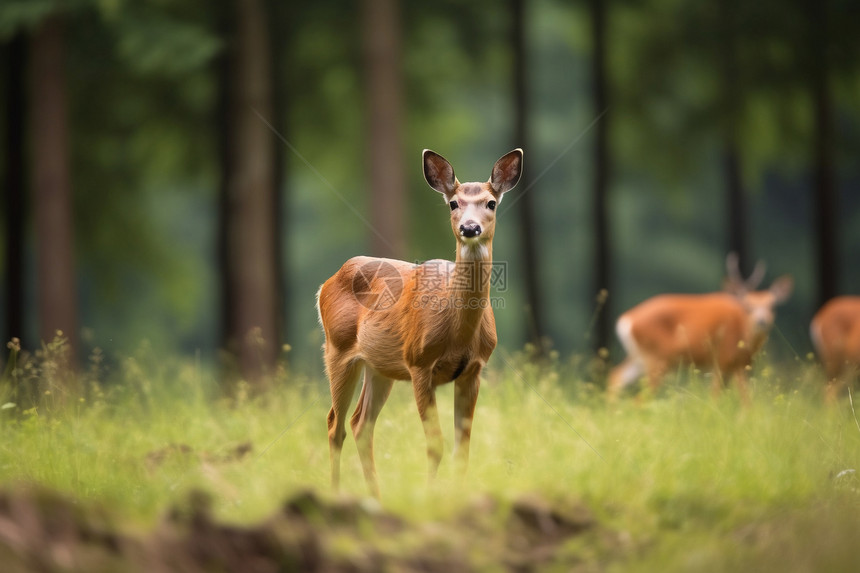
(677, 481)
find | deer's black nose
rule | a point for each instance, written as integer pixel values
(470, 230)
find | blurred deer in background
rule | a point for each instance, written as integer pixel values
(430, 323)
(720, 331)
(835, 332)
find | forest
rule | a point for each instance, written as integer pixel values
(156, 154)
(177, 179)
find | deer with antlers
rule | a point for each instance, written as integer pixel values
(429, 323)
(720, 331)
(835, 332)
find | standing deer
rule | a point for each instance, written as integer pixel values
(835, 332)
(717, 331)
(430, 323)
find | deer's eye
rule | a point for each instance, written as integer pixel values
(454, 205)
(491, 205)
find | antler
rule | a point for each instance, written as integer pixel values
(735, 281)
(757, 276)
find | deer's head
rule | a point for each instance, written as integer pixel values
(473, 205)
(759, 304)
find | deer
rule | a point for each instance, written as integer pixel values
(835, 333)
(429, 323)
(719, 331)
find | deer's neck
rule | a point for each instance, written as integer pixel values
(472, 273)
(756, 339)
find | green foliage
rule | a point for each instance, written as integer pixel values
(154, 43)
(23, 14)
(146, 163)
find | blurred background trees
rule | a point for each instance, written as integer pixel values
(602, 257)
(14, 185)
(249, 229)
(383, 86)
(529, 250)
(189, 173)
(51, 182)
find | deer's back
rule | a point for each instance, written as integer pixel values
(836, 329)
(362, 286)
(699, 329)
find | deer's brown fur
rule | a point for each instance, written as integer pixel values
(720, 331)
(429, 323)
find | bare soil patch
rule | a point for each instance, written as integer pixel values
(43, 531)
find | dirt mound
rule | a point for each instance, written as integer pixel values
(46, 532)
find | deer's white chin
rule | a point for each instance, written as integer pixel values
(474, 250)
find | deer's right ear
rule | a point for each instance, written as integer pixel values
(781, 288)
(438, 173)
(506, 172)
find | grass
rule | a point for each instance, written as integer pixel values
(689, 482)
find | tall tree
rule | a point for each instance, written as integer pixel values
(249, 195)
(381, 35)
(525, 207)
(280, 48)
(824, 188)
(736, 210)
(14, 185)
(52, 186)
(222, 68)
(602, 166)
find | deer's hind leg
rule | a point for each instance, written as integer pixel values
(623, 375)
(343, 373)
(655, 370)
(374, 393)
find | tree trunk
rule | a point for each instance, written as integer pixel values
(525, 204)
(824, 189)
(280, 27)
(602, 247)
(52, 188)
(250, 197)
(736, 206)
(13, 199)
(731, 110)
(380, 21)
(223, 72)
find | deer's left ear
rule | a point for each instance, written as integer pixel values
(782, 288)
(507, 171)
(438, 173)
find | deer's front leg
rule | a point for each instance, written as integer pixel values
(465, 397)
(740, 377)
(425, 398)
